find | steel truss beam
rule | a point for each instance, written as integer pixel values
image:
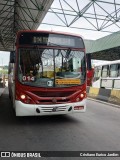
(18, 15)
(100, 15)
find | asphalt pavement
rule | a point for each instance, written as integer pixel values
(98, 129)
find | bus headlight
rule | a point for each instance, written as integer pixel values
(24, 98)
(81, 96)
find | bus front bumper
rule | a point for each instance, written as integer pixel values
(55, 109)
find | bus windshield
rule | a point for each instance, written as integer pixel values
(48, 67)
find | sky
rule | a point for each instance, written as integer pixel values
(4, 58)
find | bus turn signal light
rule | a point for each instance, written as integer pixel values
(77, 99)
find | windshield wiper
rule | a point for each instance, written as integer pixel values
(68, 52)
(51, 44)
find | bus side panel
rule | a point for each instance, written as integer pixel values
(11, 83)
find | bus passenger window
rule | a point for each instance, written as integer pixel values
(114, 70)
(105, 71)
(97, 73)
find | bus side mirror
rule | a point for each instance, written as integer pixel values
(12, 57)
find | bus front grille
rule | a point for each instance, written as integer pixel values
(53, 109)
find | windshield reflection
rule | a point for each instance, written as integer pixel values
(51, 67)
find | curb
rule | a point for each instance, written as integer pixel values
(111, 104)
(106, 95)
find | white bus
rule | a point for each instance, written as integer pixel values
(107, 75)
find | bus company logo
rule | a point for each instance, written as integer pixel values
(54, 100)
(55, 109)
(50, 83)
(5, 154)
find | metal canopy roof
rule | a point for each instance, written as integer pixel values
(19, 15)
(107, 42)
(88, 15)
(106, 48)
(93, 15)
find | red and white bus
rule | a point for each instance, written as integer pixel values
(47, 74)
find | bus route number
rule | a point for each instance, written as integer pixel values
(28, 78)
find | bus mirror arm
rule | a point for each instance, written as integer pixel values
(12, 57)
(13, 79)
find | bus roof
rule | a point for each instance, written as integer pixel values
(107, 63)
(47, 31)
(33, 37)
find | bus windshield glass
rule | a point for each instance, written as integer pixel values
(48, 67)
